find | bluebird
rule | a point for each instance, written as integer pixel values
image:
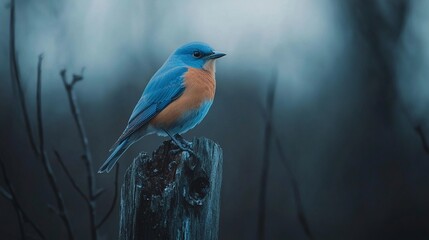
(175, 100)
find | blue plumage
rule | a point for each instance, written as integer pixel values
(165, 87)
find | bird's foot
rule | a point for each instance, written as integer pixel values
(185, 144)
(182, 144)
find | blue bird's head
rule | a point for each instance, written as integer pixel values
(197, 55)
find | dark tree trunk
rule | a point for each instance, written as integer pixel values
(172, 195)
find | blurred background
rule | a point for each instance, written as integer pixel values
(350, 108)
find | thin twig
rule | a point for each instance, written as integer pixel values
(39, 104)
(46, 164)
(296, 193)
(5, 194)
(419, 131)
(12, 199)
(266, 158)
(39, 152)
(99, 192)
(115, 198)
(22, 216)
(69, 176)
(418, 128)
(16, 78)
(86, 157)
(91, 202)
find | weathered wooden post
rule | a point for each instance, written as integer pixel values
(173, 195)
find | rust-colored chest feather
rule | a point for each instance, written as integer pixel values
(200, 86)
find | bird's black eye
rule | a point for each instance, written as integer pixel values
(197, 54)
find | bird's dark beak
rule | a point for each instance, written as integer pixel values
(215, 55)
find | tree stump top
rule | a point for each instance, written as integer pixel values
(172, 195)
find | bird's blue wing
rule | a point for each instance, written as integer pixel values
(161, 90)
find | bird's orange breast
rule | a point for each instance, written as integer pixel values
(200, 86)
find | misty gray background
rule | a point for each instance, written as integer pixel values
(353, 80)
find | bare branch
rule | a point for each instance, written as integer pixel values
(419, 131)
(266, 157)
(16, 206)
(115, 198)
(418, 128)
(86, 157)
(99, 193)
(69, 176)
(43, 156)
(76, 111)
(296, 193)
(267, 115)
(22, 216)
(39, 103)
(57, 194)
(16, 78)
(5, 194)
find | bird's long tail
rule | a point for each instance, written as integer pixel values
(114, 157)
